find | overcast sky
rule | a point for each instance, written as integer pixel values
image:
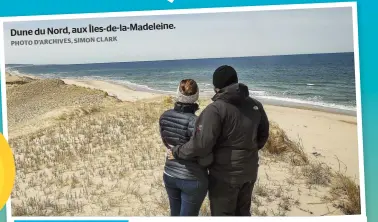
(212, 35)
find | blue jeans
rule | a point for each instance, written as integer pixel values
(185, 196)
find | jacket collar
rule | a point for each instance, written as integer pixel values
(186, 107)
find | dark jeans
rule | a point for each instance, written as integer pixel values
(230, 200)
(185, 196)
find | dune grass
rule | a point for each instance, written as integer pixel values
(94, 161)
(280, 145)
(346, 193)
(343, 190)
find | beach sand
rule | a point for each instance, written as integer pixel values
(96, 151)
(121, 92)
(330, 137)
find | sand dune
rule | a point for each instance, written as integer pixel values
(32, 101)
(12, 79)
(99, 156)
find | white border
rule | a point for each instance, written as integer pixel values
(179, 11)
(359, 109)
(353, 5)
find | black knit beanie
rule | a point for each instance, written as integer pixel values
(224, 76)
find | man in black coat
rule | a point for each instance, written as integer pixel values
(234, 127)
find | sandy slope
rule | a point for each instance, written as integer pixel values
(109, 160)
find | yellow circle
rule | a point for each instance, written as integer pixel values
(7, 171)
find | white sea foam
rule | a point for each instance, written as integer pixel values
(311, 102)
(257, 92)
(308, 103)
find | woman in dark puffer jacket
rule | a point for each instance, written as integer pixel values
(186, 181)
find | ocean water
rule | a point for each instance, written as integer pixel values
(314, 80)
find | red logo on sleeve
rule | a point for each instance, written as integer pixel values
(199, 128)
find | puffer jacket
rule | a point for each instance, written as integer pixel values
(234, 127)
(176, 128)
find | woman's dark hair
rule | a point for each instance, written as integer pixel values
(188, 87)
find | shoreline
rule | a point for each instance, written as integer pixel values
(312, 108)
(117, 90)
(265, 102)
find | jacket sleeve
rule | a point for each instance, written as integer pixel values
(263, 129)
(207, 130)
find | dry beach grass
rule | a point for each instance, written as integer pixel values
(81, 152)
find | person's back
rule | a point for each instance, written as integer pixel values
(176, 128)
(236, 151)
(186, 181)
(234, 127)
